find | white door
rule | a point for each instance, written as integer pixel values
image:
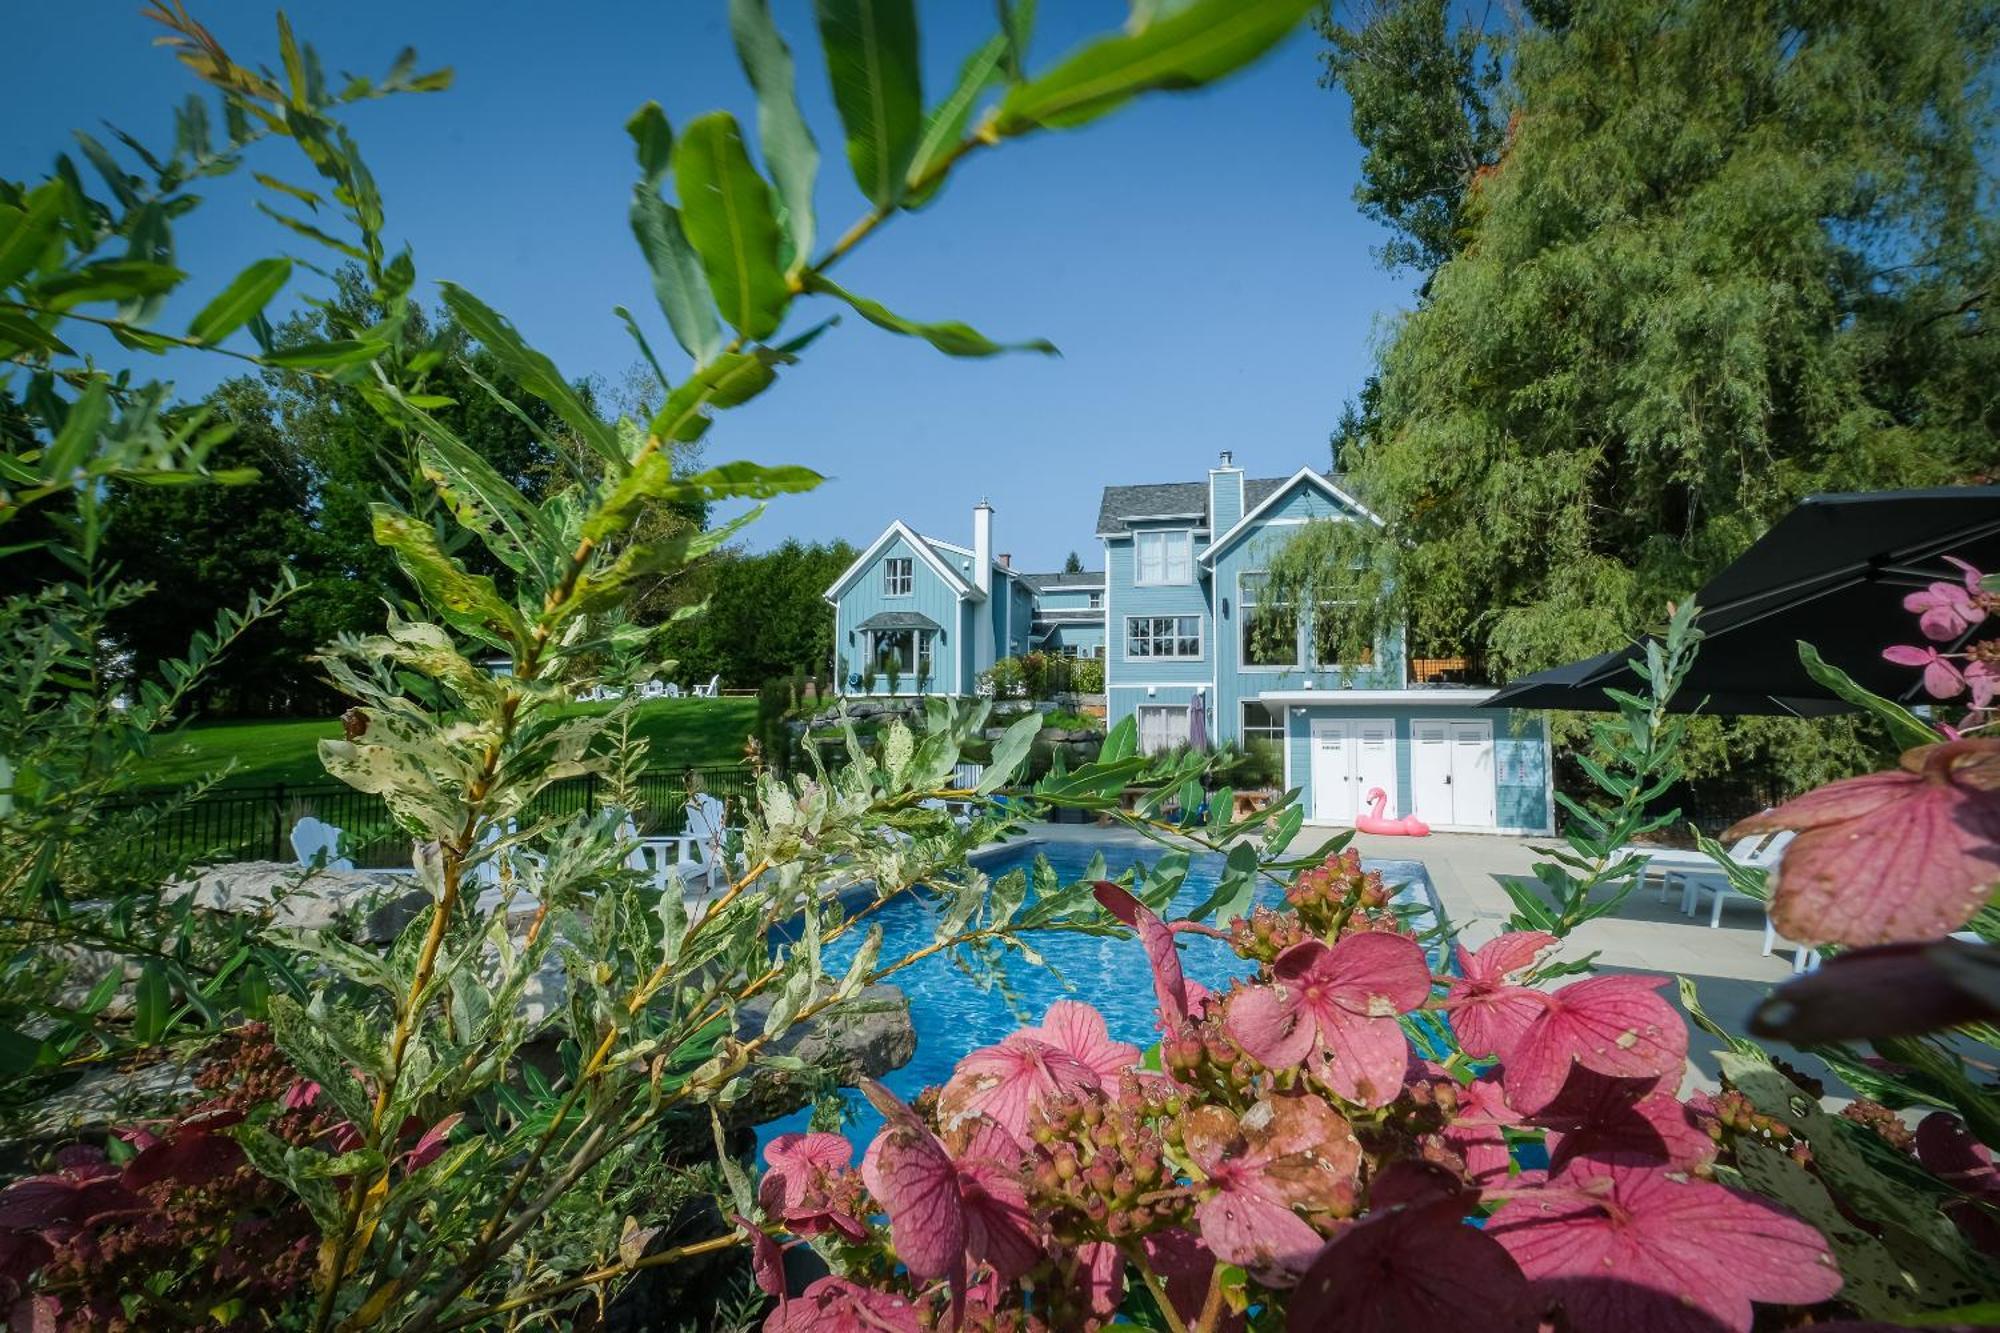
(1332, 774)
(1350, 757)
(1451, 773)
(1161, 727)
(1374, 747)
(1472, 774)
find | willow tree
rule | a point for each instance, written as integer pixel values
(1731, 252)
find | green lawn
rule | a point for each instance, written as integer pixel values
(683, 733)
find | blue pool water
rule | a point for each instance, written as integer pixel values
(954, 1015)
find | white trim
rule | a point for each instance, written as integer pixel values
(1187, 535)
(1200, 637)
(889, 560)
(1159, 684)
(956, 549)
(1197, 515)
(1443, 696)
(897, 528)
(1243, 663)
(1303, 474)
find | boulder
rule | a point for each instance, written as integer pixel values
(369, 906)
(865, 1038)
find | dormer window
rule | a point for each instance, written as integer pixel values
(1164, 557)
(898, 576)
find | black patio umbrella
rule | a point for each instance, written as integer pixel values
(1833, 573)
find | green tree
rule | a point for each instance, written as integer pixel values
(1072, 563)
(1731, 254)
(205, 549)
(1423, 98)
(765, 615)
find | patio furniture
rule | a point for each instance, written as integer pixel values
(1668, 860)
(711, 690)
(317, 845)
(676, 857)
(1715, 880)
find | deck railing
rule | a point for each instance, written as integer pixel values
(1469, 669)
(255, 823)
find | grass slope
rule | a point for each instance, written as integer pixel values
(682, 733)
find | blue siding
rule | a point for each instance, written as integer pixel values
(1225, 498)
(1128, 678)
(929, 595)
(1088, 640)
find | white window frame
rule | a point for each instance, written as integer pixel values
(906, 576)
(1169, 573)
(1097, 601)
(1274, 731)
(1154, 743)
(1173, 635)
(1246, 601)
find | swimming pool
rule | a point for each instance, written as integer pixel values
(953, 1015)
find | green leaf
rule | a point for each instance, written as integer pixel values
(790, 154)
(1017, 25)
(1905, 727)
(107, 280)
(944, 128)
(872, 58)
(334, 354)
(468, 600)
(731, 221)
(532, 370)
(1009, 753)
(951, 337)
(1202, 43)
(653, 140)
(678, 282)
(18, 330)
(246, 296)
(152, 1003)
(24, 234)
(728, 382)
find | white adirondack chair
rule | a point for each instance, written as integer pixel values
(1715, 881)
(711, 690)
(317, 845)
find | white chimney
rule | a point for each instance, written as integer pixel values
(982, 547)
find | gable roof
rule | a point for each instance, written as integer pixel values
(1253, 510)
(924, 550)
(1085, 578)
(1172, 499)
(947, 549)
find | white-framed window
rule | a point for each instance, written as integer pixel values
(906, 648)
(899, 576)
(1163, 636)
(1262, 723)
(1097, 601)
(1162, 727)
(1269, 631)
(1326, 649)
(1163, 557)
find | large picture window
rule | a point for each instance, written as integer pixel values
(1270, 629)
(898, 576)
(1164, 557)
(907, 648)
(1162, 727)
(1163, 636)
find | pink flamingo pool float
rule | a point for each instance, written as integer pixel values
(1408, 826)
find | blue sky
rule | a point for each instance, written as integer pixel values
(1197, 258)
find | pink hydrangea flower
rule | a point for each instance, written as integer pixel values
(1949, 1152)
(1177, 996)
(1904, 855)
(1079, 1031)
(1336, 1007)
(1488, 1011)
(1638, 1118)
(1942, 678)
(946, 1211)
(1070, 1053)
(1412, 1265)
(1947, 610)
(835, 1305)
(1614, 1025)
(1474, 1131)
(1285, 1152)
(797, 1168)
(1621, 1245)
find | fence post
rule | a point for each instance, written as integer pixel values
(278, 822)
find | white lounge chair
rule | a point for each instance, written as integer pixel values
(317, 845)
(1715, 880)
(1668, 862)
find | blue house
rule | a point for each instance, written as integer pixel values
(1172, 615)
(1184, 565)
(940, 614)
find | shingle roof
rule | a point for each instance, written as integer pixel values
(1088, 578)
(1176, 498)
(899, 620)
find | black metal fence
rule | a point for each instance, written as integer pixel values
(255, 823)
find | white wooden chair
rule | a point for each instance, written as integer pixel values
(711, 690)
(317, 845)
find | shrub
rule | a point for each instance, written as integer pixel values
(1006, 680)
(1086, 675)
